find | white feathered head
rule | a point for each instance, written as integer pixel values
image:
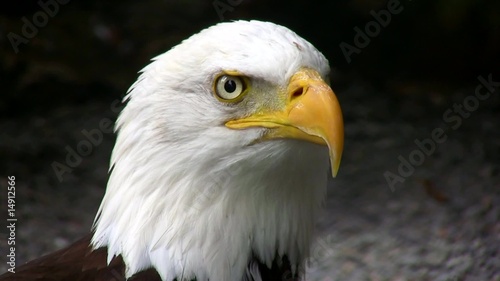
(221, 155)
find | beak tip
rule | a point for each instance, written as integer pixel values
(335, 171)
(335, 165)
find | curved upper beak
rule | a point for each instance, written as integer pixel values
(311, 113)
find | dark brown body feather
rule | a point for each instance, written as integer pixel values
(78, 262)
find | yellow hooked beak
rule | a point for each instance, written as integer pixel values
(311, 113)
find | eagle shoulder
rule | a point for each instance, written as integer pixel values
(77, 262)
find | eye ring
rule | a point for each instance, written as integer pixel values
(229, 88)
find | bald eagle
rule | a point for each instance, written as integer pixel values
(219, 167)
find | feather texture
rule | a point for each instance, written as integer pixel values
(78, 262)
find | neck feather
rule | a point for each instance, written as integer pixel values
(196, 215)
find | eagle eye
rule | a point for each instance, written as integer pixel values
(229, 88)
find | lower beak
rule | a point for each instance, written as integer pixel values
(311, 113)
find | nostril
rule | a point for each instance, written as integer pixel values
(297, 93)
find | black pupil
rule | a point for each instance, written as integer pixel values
(230, 86)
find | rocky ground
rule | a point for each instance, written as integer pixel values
(441, 223)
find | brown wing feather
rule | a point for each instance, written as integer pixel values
(77, 262)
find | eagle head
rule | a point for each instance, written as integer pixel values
(222, 155)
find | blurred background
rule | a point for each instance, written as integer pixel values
(397, 68)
